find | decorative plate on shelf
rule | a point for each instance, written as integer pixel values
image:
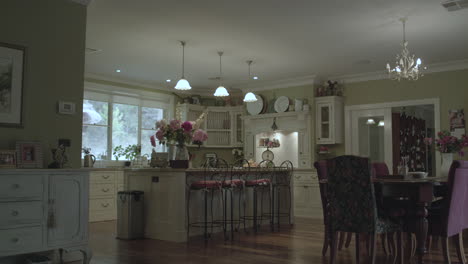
(281, 104)
(255, 108)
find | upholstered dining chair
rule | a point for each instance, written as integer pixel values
(321, 167)
(352, 205)
(449, 217)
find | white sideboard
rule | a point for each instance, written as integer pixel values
(307, 201)
(43, 210)
(103, 188)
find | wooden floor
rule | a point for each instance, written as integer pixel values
(299, 244)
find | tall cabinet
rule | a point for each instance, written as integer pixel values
(42, 210)
(329, 112)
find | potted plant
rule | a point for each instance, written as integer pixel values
(447, 144)
(118, 152)
(131, 153)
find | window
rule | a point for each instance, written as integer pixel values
(113, 120)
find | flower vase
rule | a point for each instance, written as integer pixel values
(447, 159)
(181, 157)
(171, 150)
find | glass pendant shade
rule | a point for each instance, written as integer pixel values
(250, 97)
(370, 121)
(221, 92)
(381, 123)
(183, 84)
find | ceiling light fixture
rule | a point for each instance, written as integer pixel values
(381, 123)
(370, 121)
(168, 80)
(406, 66)
(220, 91)
(255, 78)
(250, 97)
(117, 70)
(183, 84)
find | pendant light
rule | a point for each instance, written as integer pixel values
(183, 84)
(250, 97)
(220, 91)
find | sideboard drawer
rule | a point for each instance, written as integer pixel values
(19, 239)
(102, 189)
(22, 187)
(20, 213)
(102, 204)
(103, 177)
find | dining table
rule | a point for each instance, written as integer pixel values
(418, 193)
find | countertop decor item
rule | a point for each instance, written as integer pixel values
(11, 84)
(282, 104)
(29, 154)
(183, 84)
(88, 158)
(447, 145)
(7, 159)
(406, 67)
(255, 108)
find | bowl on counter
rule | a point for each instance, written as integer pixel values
(418, 174)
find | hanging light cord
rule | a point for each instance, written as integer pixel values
(183, 59)
(220, 67)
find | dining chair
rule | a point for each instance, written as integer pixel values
(352, 205)
(449, 217)
(321, 167)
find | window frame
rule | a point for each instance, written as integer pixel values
(118, 95)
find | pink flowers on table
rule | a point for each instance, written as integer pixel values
(178, 132)
(446, 143)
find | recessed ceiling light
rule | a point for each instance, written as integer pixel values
(255, 77)
(117, 70)
(168, 80)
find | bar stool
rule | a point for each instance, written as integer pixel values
(282, 180)
(261, 182)
(230, 185)
(213, 176)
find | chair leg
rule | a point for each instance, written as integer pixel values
(458, 241)
(383, 241)
(349, 237)
(391, 244)
(357, 247)
(400, 251)
(255, 209)
(341, 236)
(278, 206)
(325, 242)
(333, 245)
(272, 209)
(373, 250)
(445, 249)
(188, 215)
(232, 215)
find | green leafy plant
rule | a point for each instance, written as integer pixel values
(118, 152)
(132, 151)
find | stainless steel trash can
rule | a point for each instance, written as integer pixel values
(130, 215)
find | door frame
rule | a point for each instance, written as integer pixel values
(428, 101)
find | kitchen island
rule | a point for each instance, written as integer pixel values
(166, 192)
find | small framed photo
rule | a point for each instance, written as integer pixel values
(29, 154)
(66, 108)
(7, 159)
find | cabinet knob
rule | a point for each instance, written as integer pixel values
(105, 177)
(15, 240)
(305, 186)
(15, 186)
(105, 190)
(14, 213)
(105, 205)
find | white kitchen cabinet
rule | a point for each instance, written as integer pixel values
(329, 119)
(103, 188)
(223, 124)
(307, 201)
(43, 210)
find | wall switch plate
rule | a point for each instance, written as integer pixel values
(65, 142)
(155, 179)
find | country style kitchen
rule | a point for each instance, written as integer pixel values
(138, 132)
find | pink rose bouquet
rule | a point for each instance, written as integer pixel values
(446, 143)
(178, 132)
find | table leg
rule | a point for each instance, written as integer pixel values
(421, 230)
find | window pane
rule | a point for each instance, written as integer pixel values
(95, 112)
(95, 137)
(146, 144)
(124, 125)
(149, 116)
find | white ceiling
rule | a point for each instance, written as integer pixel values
(286, 39)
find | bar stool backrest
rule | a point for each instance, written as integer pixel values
(265, 170)
(215, 170)
(240, 169)
(284, 173)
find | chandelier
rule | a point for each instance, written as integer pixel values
(406, 66)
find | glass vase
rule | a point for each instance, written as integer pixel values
(447, 159)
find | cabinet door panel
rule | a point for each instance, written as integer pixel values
(68, 209)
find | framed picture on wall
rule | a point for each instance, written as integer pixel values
(11, 84)
(29, 154)
(7, 159)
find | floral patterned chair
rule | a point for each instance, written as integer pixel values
(352, 205)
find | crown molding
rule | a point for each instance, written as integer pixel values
(381, 75)
(255, 86)
(82, 2)
(156, 86)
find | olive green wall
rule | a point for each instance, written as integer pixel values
(53, 32)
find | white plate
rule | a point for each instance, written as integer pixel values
(282, 104)
(255, 108)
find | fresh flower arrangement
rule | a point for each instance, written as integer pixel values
(446, 143)
(86, 151)
(180, 133)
